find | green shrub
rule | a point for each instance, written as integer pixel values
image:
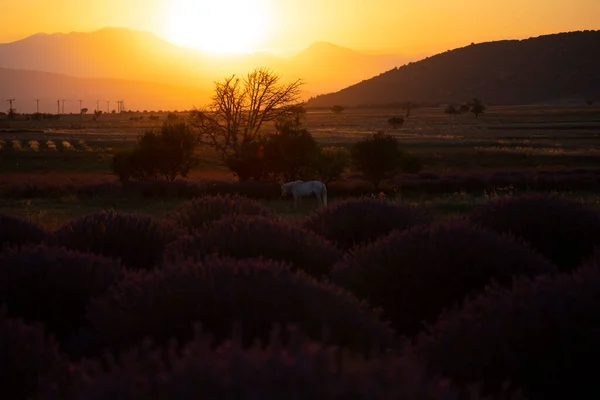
(248, 236)
(137, 239)
(331, 163)
(562, 230)
(290, 153)
(413, 275)
(542, 335)
(356, 221)
(167, 153)
(196, 213)
(165, 303)
(376, 156)
(53, 285)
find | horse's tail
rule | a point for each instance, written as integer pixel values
(324, 194)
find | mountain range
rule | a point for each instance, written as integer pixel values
(146, 71)
(550, 68)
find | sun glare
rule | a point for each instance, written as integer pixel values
(224, 26)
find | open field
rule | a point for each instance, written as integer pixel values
(75, 151)
(287, 266)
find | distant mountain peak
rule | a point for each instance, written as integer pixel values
(322, 47)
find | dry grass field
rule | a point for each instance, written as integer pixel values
(75, 151)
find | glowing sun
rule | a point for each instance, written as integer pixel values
(225, 26)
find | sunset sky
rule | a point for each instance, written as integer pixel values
(284, 26)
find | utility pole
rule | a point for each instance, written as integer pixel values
(79, 105)
(37, 107)
(10, 101)
(97, 105)
(58, 105)
(108, 106)
(63, 105)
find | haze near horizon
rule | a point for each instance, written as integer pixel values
(285, 27)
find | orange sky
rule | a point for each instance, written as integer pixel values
(403, 26)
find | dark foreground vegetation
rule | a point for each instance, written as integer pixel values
(224, 299)
(226, 294)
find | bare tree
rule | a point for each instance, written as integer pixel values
(239, 108)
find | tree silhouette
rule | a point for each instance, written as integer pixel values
(337, 109)
(395, 122)
(477, 107)
(451, 109)
(376, 156)
(167, 153)
(408, 106)
(239, 108)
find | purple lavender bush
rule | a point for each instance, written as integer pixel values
(541, 335)
(244, 236)
(31, 366)
(197, 213)
(303, 370)
(136, 239)
(15, 231)
(219, 293)
(562, 230)
(53, 285)
(356, 221)
(413, 275)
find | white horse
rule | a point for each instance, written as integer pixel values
(301, 188)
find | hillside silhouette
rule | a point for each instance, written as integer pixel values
(547, 68)
(122, 53)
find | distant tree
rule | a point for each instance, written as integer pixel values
(167, 153)
(84, 110)
(380, 155)
(337, 109)
(395, 122)
(331, 163)
(173, 117)
(464, 108)
(232, 121)
(408, 106)
(477, 107)
(451, 109)
(291, 153)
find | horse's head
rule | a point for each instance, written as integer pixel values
(284, 189)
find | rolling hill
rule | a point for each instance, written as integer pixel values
(127, 54)
(543, 69)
